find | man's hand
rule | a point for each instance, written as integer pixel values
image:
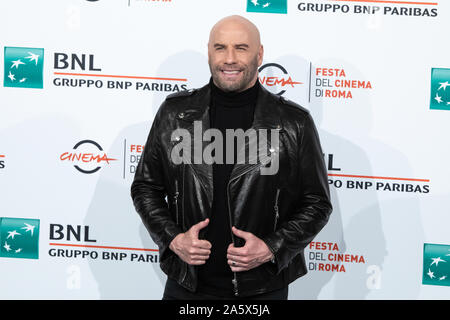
(254, 253)
(189, 248)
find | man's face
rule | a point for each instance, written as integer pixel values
(234, 55)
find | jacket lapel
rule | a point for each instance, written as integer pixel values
(266, 116)
(197, 109)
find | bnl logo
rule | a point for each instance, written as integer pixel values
(267, 6)
(440, 96)
(23, 67)
(19, 238)
(436, 264)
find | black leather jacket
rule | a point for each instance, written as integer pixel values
(286, 210)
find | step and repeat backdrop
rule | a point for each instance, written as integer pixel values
(81, 83)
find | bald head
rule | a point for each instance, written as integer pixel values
(236, 23)
(234, 53)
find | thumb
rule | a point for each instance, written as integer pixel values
(195, 229)
(242, 234)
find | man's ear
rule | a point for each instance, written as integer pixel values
(260, 55)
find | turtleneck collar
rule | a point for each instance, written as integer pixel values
(234, 99)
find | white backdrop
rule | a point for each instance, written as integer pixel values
(386, 146)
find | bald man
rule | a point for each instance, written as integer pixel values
(228, 230)
(234, 54)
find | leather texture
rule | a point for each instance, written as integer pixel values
(286, 210)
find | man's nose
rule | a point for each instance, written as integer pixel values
(231, 56)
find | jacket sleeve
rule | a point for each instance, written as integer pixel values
(313, 208)
(148, 192)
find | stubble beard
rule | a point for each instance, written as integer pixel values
(249, 72)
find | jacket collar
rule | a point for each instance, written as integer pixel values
(265, 114)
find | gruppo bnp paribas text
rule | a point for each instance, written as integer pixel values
(386, 9)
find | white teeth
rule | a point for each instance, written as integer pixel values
(231, 72)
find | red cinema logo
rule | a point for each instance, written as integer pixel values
(275, 78)
(88, 156)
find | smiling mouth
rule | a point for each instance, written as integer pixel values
(231, 73)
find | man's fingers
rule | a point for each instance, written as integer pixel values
(200, 257)
(204, 244)
(199, 252)
(237, 267)
(195, 259)
(238, 259)
(202, 252)
(197, 262)
(197, 227)
(242, 234)
(241, 251)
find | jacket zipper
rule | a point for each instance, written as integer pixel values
(234, 281)
(182, 201)
(275, 207)
(175, 197)
(177, 193)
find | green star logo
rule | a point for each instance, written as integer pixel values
(24, 67)
(19, 238)
(440, 96)
(436, 264)
(267, 6)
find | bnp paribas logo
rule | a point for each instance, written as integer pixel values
(436, 264)
(23, 67)
(440, 96)
(267, 6)
(19, 238)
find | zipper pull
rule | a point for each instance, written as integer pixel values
(175, 197)
(176, 189)
(234, 282)
(276, 218)
(275, 207)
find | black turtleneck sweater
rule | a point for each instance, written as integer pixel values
(228, 110)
